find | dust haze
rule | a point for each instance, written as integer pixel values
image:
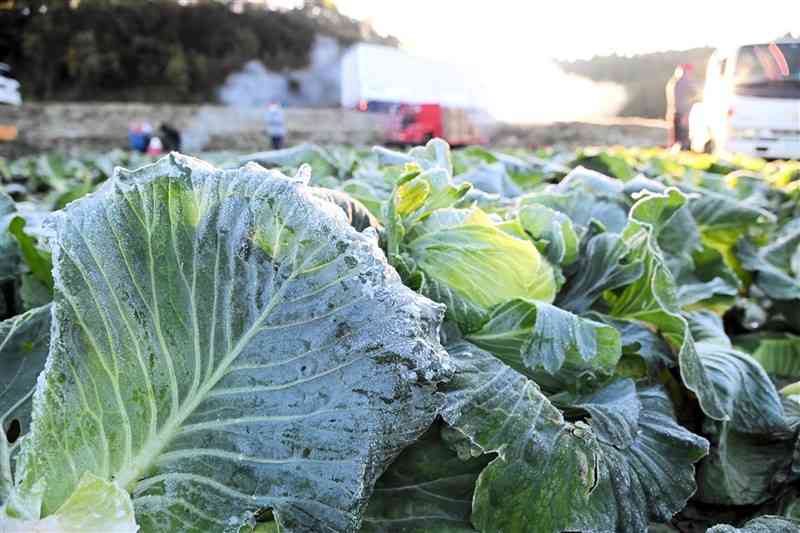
(543, 92)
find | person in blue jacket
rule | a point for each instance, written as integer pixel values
(276, 125)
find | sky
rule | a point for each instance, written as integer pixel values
(511, 44)
(571, 29)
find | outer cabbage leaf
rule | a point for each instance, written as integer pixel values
(653, 297)
(387, 156)
(553, 230)
(484, 200)
(593, 182)
(366, 193)
(742, 386)
(707, 327)
(729, 384)
(615, 411)
(742, 468)
(356, 213)
(637, 339)
(549, 345)
(680, 237)
(491, 178)
(582, 208)
(38, 260)
(467, 314)
(602, 265)
(776, 265)
(24, 341)
(435, 154)
(723, 219)
(641, 183)
(701, 271)
(777, 353)
(762, 524)
(744, 389)
(9, 255)
(215, 332)
(609, 164)
(293, 157)
(551, 475)
(428, 488)
(705, 280)
(524, 169)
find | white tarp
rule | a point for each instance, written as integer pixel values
(384, 74)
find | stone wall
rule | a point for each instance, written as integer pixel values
(102, 126)
(74, 127)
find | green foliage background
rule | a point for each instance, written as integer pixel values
(139, 50)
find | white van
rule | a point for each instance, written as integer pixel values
(751, 102)
(9, 87)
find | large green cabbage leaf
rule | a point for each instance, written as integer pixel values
(630, 464)
(223, 344)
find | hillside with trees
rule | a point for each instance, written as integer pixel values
(643, 76)
(157, 50)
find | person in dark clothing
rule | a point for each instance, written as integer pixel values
(170, 138)
(681, 95)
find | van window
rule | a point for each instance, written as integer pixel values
(768, 63)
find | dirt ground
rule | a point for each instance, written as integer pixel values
(626, 132)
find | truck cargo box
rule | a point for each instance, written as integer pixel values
(373, 73)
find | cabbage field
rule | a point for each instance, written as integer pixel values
(325, 339)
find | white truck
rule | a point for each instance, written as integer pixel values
(10, 99)
(424, 98)
(751, 102)
(9, 87)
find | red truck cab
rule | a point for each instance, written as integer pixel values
(419, 123)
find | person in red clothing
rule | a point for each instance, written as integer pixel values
(681, 95)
